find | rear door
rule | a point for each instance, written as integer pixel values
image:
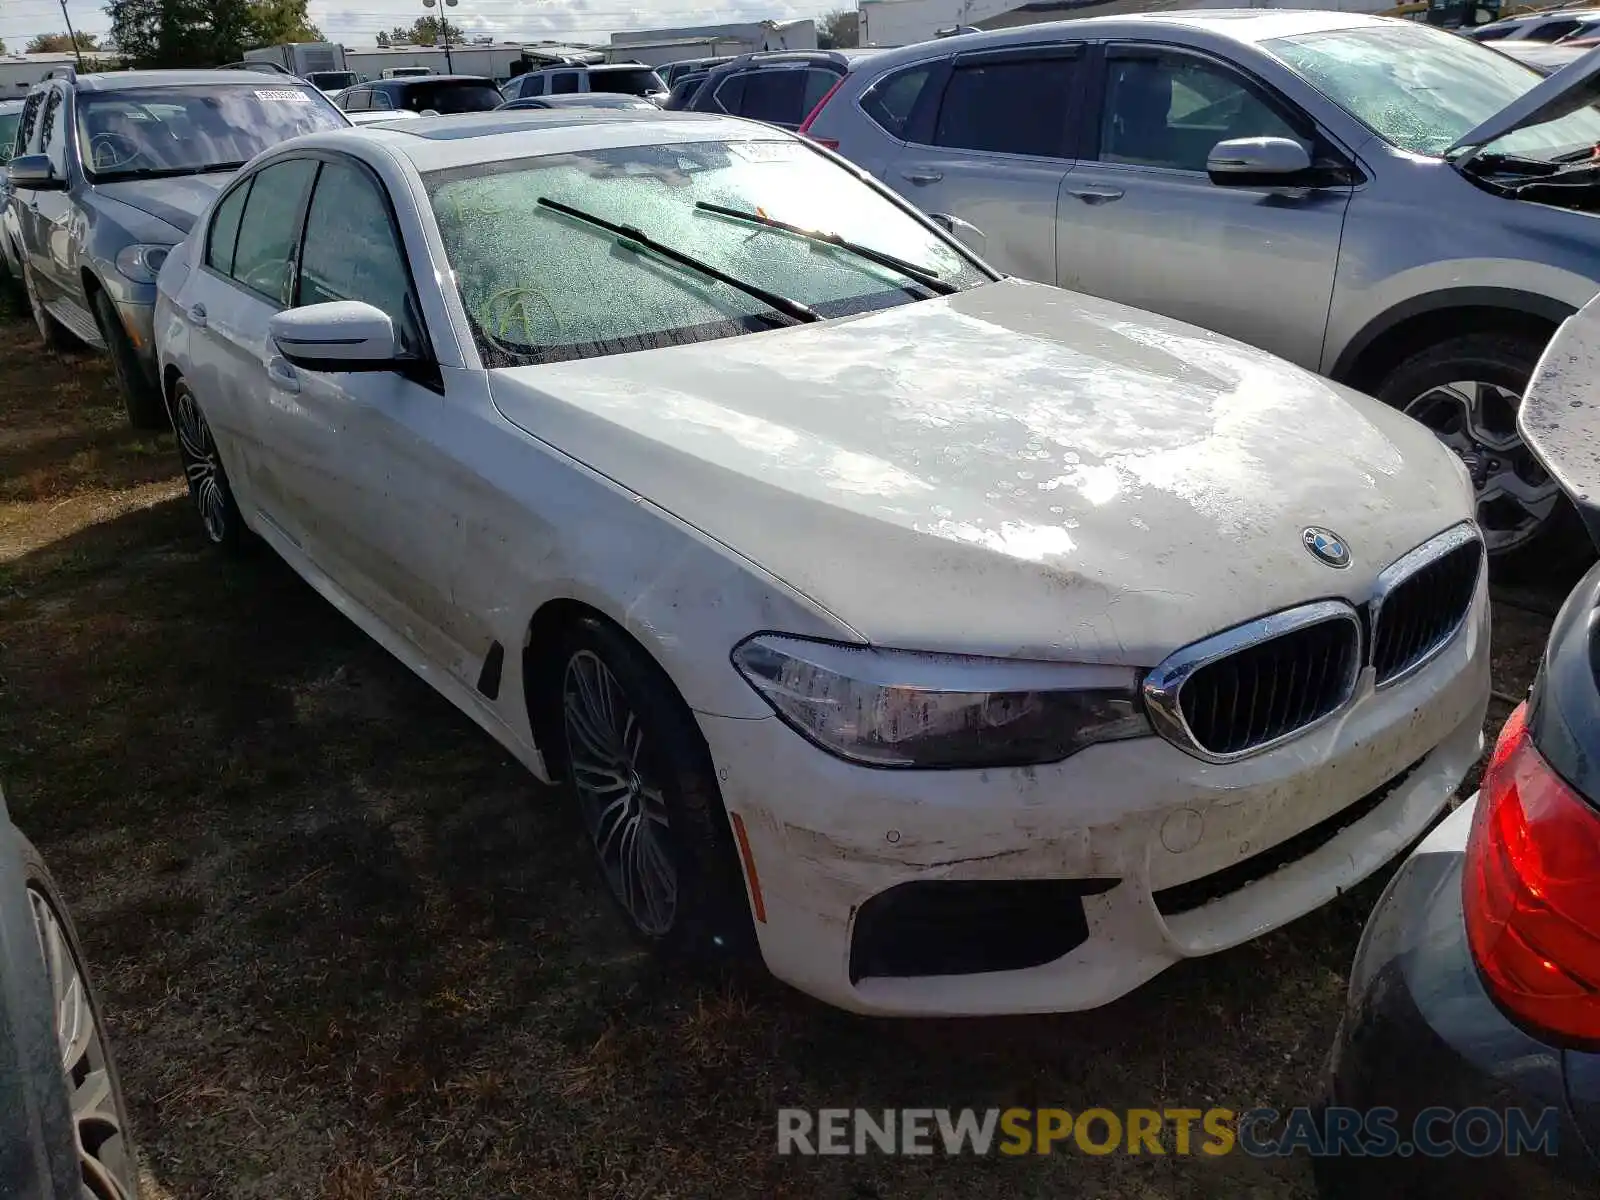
(1141, 221)
(246, 274)
(999, 143)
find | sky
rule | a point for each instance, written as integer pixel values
(357, 22)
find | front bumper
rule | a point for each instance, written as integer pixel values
(1419, 1032)
(1152, 829)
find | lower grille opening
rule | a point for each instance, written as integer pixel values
(967, 927)
(1186, 897)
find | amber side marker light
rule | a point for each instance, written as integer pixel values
(1531, 893)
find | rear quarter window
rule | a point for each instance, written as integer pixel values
(891, 101)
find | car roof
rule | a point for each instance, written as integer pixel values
(618, 66)
(441, 143)
(116, 81)
(1247, 25)
(420, 80)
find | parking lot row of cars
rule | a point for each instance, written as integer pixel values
(952, 642)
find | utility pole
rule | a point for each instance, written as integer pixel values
(77, 50)
(444, 29)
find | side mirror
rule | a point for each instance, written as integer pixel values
(344, 335)
(34, 172)
(1258, 162)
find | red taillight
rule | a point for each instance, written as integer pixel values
(1531, 892)
(805, 126)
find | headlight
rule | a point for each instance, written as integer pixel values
(142, 263)
(894, 708)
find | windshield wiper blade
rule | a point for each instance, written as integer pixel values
(791, 308)
(925, 276)
(161, 172)
(223, 166)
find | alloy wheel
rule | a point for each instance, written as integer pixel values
(108, 1171)
(1478, 421)
(201, 466)
(623, 808)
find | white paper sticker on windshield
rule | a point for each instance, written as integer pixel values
(290, 95)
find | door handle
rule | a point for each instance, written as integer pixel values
(197, 315)
(282, 375)
(922, 178)
(1091, 193)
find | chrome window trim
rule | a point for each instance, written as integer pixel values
(1164, 684)
(1402, 569)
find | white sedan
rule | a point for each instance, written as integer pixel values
(958, 644)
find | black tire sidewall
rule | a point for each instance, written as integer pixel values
(37, 877)
(140, 398)
(713, 920)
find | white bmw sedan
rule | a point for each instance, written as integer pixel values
(957, 644)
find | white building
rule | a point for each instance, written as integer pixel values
(657, 46)
(904, 22)
(19, 72)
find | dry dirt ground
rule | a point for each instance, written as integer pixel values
(348, 949)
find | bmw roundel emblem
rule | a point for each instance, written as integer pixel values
(1326, 546)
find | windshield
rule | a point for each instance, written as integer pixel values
(540, 286)
(331, 81)
(1423, 89)
(641, 81)
(9, 123)
(457, 96)
(187, 130)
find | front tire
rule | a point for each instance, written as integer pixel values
(1467, 390)
(204, 473)
(94, 1093)
(647, 795)
(141, 399)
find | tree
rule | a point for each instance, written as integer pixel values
(181, 33)
(839, 30)
(383, 41)
(2, 45)
(274, 22)
(58, 43)
(425, 31)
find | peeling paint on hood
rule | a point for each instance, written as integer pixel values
(1012, 470)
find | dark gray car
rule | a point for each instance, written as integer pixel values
(110, 172)
(63, 1124)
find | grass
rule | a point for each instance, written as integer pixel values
(348, 949)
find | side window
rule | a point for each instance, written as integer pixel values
(224, 235)
(1492, 35)
(891, 100)
(351, 251)
(269, 229)
(729, 96)
(534, 86)
(563, 82)
(357, 101)
(1170, 110)
(1552, 31)
(1008, 106)
(779, 96)
(382, 100)
(52, 135)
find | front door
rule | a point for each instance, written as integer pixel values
(1141, 222)
(356, 454)
(999, 148)
(47, 217)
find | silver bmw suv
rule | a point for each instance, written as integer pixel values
(109, 172)
(1384, 202)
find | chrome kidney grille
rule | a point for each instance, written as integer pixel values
(1253, 687)
(1421, 601)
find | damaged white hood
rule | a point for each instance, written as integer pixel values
(1013, 470)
